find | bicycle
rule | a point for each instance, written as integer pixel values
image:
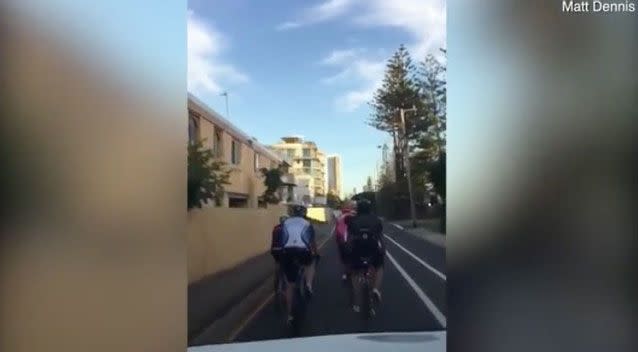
(299, 298)
(364, 277)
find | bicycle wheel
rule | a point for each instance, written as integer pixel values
(370, 295)
(298, 304)
(280, 292)
(365, 298)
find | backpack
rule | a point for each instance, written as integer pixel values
(363, 230)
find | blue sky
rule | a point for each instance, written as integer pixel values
(306, 67)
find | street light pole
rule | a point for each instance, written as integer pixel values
(406, 162)
(225, 95)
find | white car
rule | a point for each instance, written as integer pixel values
(371, 342)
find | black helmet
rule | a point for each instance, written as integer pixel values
(298, 210)
(364, 206)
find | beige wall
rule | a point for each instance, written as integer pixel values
(220, 238)
(320, 214)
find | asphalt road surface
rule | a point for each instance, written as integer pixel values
(413, 290)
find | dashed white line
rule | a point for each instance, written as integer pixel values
(428, 266)
(424, 298)
(399, 226)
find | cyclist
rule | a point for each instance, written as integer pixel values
(299, 246)
(276, 246)
(341, 233)
(365, 239)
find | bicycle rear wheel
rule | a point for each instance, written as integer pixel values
(298, 304)
(280, 292)
(365, 299)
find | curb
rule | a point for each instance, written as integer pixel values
(229, 326)
(222, 329)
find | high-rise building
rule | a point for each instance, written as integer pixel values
(334, 175)
(308, 164)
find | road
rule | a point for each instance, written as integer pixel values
(414, 294)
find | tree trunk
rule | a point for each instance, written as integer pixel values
(399, 173)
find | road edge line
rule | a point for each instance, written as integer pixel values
(421, 261)
(442, 320)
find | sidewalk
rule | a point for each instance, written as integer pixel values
(217, 303)
(423, 231)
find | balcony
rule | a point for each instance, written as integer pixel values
(306, 157)
(288, 179)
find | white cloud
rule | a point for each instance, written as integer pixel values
(354, 99)
(206, 70)
(288, 25)
(338, 57)
(354, 68)
(357, 70)
(423, 20)
(325, 11)
(366, 74)
(331, 9)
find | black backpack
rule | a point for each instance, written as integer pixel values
(363, 229)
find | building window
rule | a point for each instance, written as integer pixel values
(217, 142)
(235, 156)
(239, 201)
(306, 153)
(290, 153)
(256, 161)
(273, 165)
(306, 163)
(193, 129)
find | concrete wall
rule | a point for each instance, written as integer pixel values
(220, 238)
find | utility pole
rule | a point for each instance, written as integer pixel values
(375, 183)
(406, 161)
(225, 94)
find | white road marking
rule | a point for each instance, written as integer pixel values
(399, 226)
(424, 298)
(430, 267)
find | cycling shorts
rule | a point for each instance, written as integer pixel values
(370, 251)
(292, 259)
(344, 252)
(276, 254)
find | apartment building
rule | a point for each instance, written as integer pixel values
(320, 174)
(307, 164)
(243, 154)
(334, 175)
